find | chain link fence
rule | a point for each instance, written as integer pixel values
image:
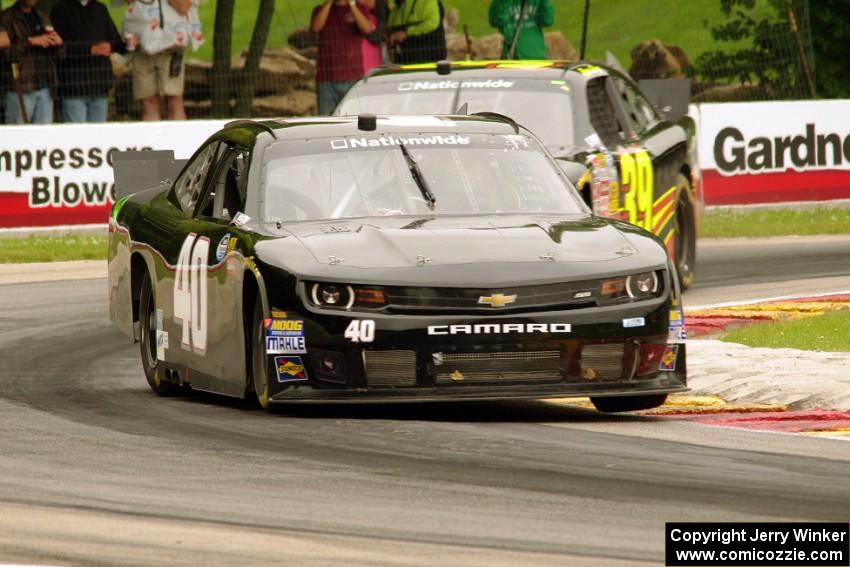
(766, 58)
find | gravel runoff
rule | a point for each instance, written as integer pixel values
(802, 380)
(737, 373)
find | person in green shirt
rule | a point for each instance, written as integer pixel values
(416, 33)
(504, 15)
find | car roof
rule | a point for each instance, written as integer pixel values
(247, 131)
(529, 69)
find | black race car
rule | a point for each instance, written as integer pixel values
(395, 258)
(629, 162)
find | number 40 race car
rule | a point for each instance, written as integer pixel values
(396, 258)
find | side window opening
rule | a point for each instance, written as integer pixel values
(189, 186)
(639, 109)
(603, 115)
(227, 194)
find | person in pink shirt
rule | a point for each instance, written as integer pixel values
(342, 26)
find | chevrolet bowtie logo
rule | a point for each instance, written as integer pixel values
(496, 300)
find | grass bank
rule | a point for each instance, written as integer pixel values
(52, 248)
(775, 222)
(828, 332)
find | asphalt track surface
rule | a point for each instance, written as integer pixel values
(97, 470)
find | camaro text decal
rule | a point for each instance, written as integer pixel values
(499, 329)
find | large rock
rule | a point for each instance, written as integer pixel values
(559, 47)
(489, 46)
(727, 93)
(295, 103)
(281, 70)
(302, 38)
(653, 60)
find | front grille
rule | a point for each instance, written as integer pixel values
(602, 361)
(421, 300)
(390, 368)
(460, 367)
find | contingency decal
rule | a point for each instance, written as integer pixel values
(161, 336)
(285, 336)
(289, 368)
(360, 331)
(240, 219)
(225, 246)
(190, 292)
(677, 332)
(634, 322)
(668, 360)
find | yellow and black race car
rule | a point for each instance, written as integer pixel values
(629, 162)
(393, 258)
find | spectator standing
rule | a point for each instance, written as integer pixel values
(85, 73)
(33, 47)
(4, 38)
(505, 16)
(163, 30)
(342, 25)
(416, 31)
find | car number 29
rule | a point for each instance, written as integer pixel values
(360, 331)
(190, 292)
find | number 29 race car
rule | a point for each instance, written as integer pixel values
(396, 258)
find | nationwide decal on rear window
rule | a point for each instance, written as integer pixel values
(449, 84)
(391, 141)
(289, 368)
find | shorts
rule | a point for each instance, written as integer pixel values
(151, 75)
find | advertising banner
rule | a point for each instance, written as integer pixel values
(59, 175)
(772, 152)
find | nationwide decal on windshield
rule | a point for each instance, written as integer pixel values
(450, 84)
(390, 141)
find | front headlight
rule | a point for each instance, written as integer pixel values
(344, 296)
(634, 287)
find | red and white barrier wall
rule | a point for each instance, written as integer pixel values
(61, 175)
(774, 152)
(749, 153)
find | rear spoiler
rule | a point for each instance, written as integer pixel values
(138, 170)
(670, 97)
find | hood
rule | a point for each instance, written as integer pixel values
(450, 250)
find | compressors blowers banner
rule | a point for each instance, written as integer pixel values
(61, 175)
(774, 152)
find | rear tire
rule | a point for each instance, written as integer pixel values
(259, 358)
(617, 404)
(147, 325)
(685, 238)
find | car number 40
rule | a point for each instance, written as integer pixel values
(190, 292)
(360, 331)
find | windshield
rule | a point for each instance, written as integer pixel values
(443, 173)
(542, 106)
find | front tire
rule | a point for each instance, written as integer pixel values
(685, 239)
(617, 404)
(147, 342)
(259, 358)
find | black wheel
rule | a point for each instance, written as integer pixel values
(259, 359)
(616, 404)
(685, 239)
(147, 324)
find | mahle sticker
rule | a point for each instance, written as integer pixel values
(286, 345)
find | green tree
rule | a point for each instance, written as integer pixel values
(831, 46)
(777, 59)
(248, 76)
(222, 46)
